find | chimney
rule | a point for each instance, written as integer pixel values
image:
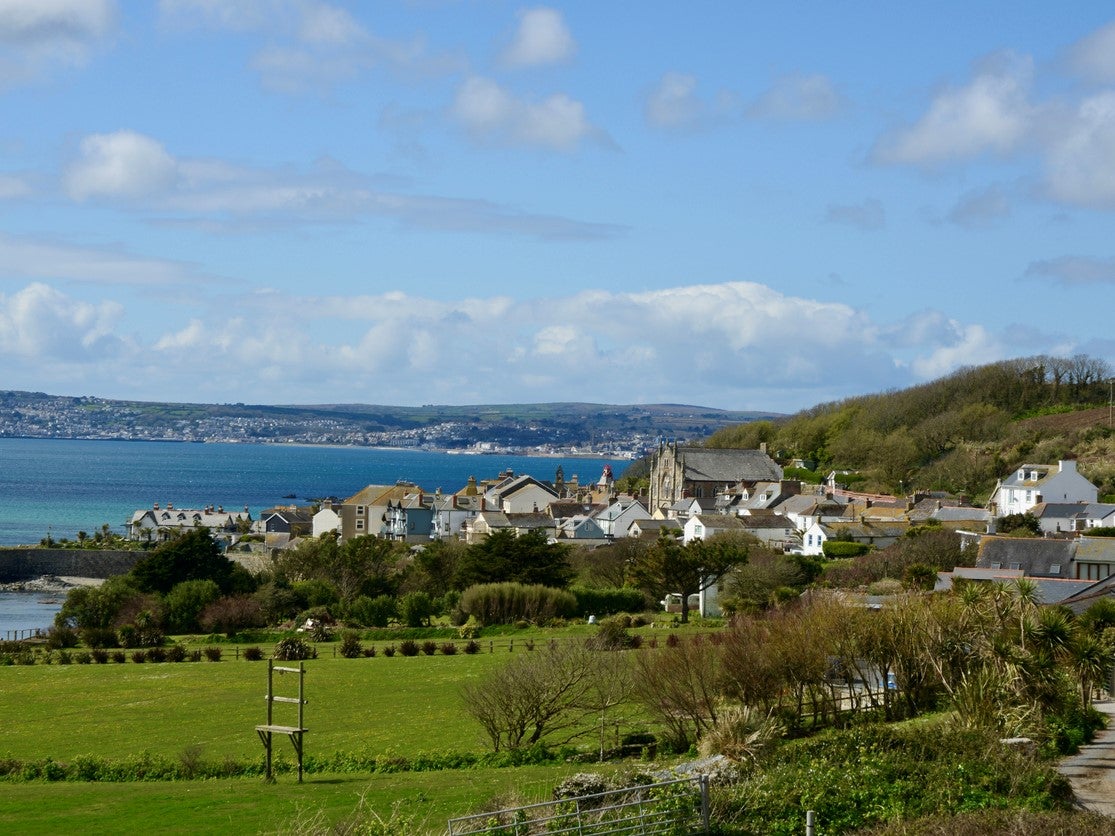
(1067, 466)
(156, 506)
(762, 447)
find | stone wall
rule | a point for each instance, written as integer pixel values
(21, 564)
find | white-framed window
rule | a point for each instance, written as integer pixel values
(359, 525)
(359, 510)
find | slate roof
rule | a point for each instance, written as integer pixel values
(1096, 549)
(1035, 556)
(710, 464)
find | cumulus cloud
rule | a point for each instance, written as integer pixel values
(990, 114)
(798, 98)
(42, 325)
(867, 216)
(541, 38)
(675, 104)
(37, 36)
(124, 164)
(490, 113)
(1094, 55)
(1080, 164)
(1071, 270)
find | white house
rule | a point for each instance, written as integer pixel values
(706, 526)
(615, 519)
(1031, 484)
(520, 495)
(326, 520)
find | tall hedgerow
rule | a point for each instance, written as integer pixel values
(506, 603)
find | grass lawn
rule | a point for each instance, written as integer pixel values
(405, 704)
(246, 805)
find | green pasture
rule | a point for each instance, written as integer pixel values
(401, 704)
(426, 799)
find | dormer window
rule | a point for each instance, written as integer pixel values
(1055, 569)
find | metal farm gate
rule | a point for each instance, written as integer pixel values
(673, 808)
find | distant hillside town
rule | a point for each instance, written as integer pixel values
(581, 429)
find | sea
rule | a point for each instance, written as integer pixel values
(58, 487)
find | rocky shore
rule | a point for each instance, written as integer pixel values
(49, 583)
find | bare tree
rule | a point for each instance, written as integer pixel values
(535, 695)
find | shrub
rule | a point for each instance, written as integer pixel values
(99, 637)
(511, 603)
(408, 647)
(389, 651)
(195, 655)
(834, 549)
(139, 656)
(672, 640)
(60, 637)
(176, 653)
(429, 648)
(64, 657)
(119, 656)
(253, 654)
(473, 646)
(373, 612)
(448, 649)
(156, 654)
(415, 609)
(607, 601)
(99, 654)
(213, 654)
(350, 645)
(370, 651)
(293, 650)
(611, 634)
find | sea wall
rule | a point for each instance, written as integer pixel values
(21, 564)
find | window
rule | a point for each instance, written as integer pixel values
(1016, 566)
(359, 510)
(996, 565)
(359, 525)
(1055, 569)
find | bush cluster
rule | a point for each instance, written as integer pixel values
(508, 603)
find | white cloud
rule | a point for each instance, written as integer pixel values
(312, 46)
(675, 104)
(491, 114)
(1080, 165)
(867, 216)
(720, 344)
(798, 98)
(36, 36)
(42, 325)
(542, 38)
(214, 195)
(42, 21)
(1094, 56)
(25, 258)
(124, 164)
(990, 114)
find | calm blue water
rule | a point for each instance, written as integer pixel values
(26, 611)
(61, 487)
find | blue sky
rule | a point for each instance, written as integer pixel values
(730, 204)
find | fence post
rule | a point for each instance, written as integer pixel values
(704, 803)
(512, 650)
(810, 823)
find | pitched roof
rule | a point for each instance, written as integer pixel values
(1034, 555)
(716, 464)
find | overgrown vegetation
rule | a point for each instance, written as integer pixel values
(959, 433)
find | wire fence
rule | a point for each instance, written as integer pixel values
(674, 807)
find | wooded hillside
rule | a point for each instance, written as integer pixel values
(959, 433)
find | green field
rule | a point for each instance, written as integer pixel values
(400, 706)
(403, 704)
(426, 799)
